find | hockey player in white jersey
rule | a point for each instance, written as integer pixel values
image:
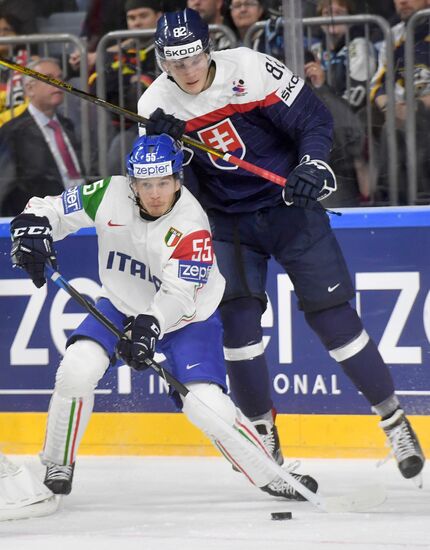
(161, 283)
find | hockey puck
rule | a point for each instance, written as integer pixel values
(281, 515)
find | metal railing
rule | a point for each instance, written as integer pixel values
(103, 117)
(366, 20)
(411, 138)
(42, 40)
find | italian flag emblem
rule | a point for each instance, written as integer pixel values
(172, 237)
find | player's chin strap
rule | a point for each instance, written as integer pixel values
(358, 502)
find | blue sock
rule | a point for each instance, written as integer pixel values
(341, 331)
(244, 354)
(250, 385)
(369, 374)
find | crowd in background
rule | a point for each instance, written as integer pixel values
(345, 65)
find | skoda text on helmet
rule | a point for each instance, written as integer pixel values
(155, 156)
(181, 34)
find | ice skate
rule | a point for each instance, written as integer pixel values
(404, 445)
(270, 437)
(280, 488)
(59, 478)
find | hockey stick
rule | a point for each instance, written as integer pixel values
(358, 502)
(60, 281)
(60, 84)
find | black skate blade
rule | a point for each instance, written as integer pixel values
(417, 481)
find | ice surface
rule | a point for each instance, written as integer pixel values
(166, 503)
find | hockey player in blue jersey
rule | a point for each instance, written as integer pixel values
(251, 105)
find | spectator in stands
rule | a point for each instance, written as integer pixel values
(143, 14)
(12, 98)
(26, 11)
(385, 8)
(242, 15)
(38, 149)
(347, 156)
(405, 9)
(343, 60)
(135, 58)
(212, 11)
(9, 26)
(103, 16)
(274, 31)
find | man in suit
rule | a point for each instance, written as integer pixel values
(38, 149)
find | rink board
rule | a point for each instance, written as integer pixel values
(387, 251)
(302, 435)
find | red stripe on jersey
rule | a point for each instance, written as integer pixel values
(197, 247)
(229, 110)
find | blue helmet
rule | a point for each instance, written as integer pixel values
(181, 34)
(155, 156)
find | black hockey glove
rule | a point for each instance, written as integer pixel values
(138, 341)
(32, 246)
(160, 123)
(310, 181)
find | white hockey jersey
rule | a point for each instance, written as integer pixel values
(165, 268)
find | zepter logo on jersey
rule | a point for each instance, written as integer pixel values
(72, 201)
(195, 257)
(223, 136)
(180, 52)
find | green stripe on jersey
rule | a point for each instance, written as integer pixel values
(92, 195)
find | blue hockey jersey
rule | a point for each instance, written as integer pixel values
(256, 109)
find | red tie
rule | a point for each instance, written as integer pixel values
(64, 150)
